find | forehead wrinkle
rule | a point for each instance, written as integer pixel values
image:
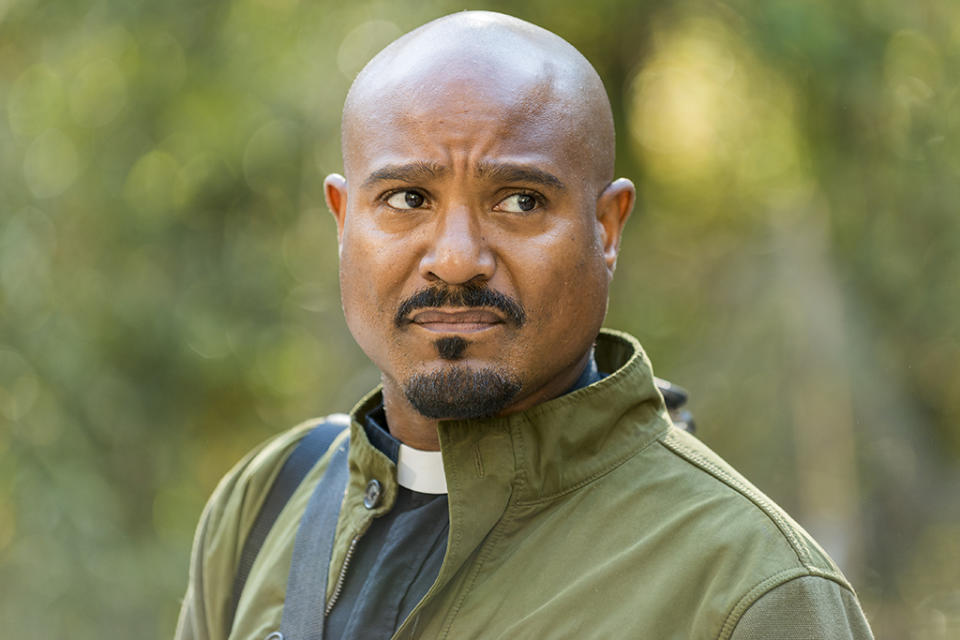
(513, 172)
(411, 172)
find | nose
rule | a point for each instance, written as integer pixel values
(458, 251)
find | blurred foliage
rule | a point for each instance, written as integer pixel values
(168, 291)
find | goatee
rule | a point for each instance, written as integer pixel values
(459, 393)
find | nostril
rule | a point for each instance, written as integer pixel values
(458, 255)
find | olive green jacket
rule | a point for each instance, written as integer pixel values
(588, 516)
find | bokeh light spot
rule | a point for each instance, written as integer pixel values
(154, 185)
(51, 164)
(687, 101)
(363, 43)
(28, 241)
(708, 117)
(97, 94)
(18, 385)
(911, 66)
(36, 101)
(271, 156)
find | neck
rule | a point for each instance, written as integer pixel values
(407, 424)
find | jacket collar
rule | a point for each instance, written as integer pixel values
(558, 445)
(553, 447)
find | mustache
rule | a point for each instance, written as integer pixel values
(467, 295)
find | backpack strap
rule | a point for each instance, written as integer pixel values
(675, 398)
(304, 456)
(304, 606)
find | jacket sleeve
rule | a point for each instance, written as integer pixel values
(216, 544)
(805, 608)
(198, 618)
(190, 625)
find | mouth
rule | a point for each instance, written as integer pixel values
(456, 321)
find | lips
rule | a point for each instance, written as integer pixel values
(472, 297)
(456, 321)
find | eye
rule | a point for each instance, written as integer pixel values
(518, 203)
(406, 200)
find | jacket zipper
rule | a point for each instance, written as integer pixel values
(340, 578)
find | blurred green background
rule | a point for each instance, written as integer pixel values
(168, 291)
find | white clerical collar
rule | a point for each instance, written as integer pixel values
(421, 471)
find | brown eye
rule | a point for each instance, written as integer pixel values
(406, 200)
(518, 203)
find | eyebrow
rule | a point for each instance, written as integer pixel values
(410, 172)
(510, 172)
(413, 172)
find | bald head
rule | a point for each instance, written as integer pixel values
(534, 77)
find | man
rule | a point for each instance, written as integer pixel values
(479, 225)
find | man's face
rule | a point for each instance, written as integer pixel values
(473, 265)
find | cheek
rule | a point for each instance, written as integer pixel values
(361, 271)
(371, 263)
(565, 267)
(366, 297)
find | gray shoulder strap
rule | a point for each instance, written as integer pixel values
(303, 609)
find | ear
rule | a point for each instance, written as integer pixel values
(613, 208)
(335, 192)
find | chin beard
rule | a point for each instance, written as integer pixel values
(458, 393)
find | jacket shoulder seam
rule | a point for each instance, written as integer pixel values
(766, 586)
(674, 444)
